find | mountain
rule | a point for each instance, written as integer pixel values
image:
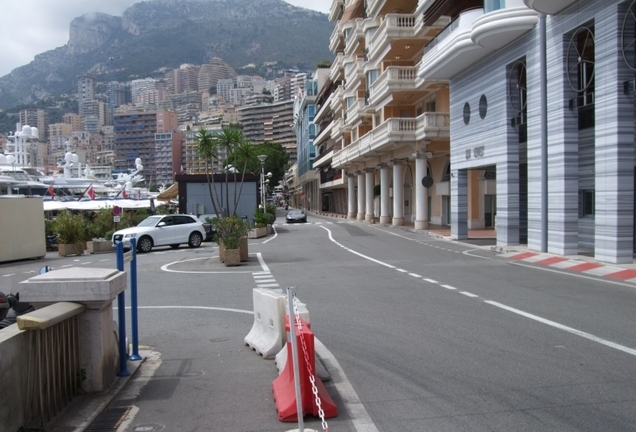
(153, 36)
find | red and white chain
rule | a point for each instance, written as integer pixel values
(312, 377)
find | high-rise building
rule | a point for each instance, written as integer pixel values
(183, 80)
(74, 120)
(85, 91)
(223, 88)
(270, 123)
(211, 72)
(168, 153)
(38, 118)
(135, 138)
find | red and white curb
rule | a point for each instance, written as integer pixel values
(585, 267)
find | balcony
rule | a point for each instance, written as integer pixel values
(393, 79)
(336, 68)
(354, 35)
(391, 131)
(499, 27)
(354, 72)
(432, 125)
(336, 100)
(338, 128)
(355, 112)
(324, 135)
(324, 159)
(549, 7)
(336, 10)
(452, 50)
(336, 40)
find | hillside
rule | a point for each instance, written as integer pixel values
(153, 35)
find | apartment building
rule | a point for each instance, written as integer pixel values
(270, 123)
(135, 133)
(383, 129)
(38, 118)
(168, 150)
(308, 190)
(85, 91)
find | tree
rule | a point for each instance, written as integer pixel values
(208, 150)
(238, 152)
(276, 162)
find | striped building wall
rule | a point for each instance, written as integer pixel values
(600, 158)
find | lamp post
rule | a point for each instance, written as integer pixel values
(262, 158)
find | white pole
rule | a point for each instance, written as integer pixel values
(291, 292)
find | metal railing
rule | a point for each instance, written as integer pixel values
(53, 369)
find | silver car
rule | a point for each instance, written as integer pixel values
(163, 230)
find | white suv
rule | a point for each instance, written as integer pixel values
(163, 230)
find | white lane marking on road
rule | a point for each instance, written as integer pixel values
(263, 273)
(402, 270)
(357, 413)
(274, 285)
(65, 265)
(87, 262)
(196, 307)
(468, 253)
(433, 281)
(415, 275)
(356, 253)
(262, 261)
(468, 294)
(7, 275)
(449, 287)
(104, 260)
(166, 269)
(574, 331)
(275, 234)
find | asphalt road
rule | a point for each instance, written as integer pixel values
(427, 334)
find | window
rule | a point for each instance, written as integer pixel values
(311, 111)
(586, 202)
(466, 113)
(483, 106)
(493, 5)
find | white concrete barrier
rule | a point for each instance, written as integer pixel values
(281, 357)
(268, 331)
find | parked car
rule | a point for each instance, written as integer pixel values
(210, 231)
(295, 216)
(163, 230)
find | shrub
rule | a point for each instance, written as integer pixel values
(230, 230)
(69, 228)
(260, 218)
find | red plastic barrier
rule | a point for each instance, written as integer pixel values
(284, 388)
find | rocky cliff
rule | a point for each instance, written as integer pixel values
(159, 34)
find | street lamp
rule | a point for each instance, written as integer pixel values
(262, 158)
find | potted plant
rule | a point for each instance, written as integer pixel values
(70, 232)
(229, 232)
(260, 224)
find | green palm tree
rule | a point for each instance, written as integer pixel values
(208, 149)
(245, 152)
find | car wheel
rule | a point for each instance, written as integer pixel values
(195, 240)
(144, 245)
(175, 246)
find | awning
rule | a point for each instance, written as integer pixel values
(97, 204)
(170, 193)
(354, 10)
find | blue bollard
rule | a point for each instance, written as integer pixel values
(121, 311)
(133, 302)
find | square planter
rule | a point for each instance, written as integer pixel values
(257, 232)
(70, 249)
(94, 247)
(232, 257)
(269, 229)
(243, 249)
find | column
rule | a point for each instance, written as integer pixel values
(370, 182)
(351, 196)
(508, 199)
(398, 193)
(385, 184)
(421, 194)
(614, 142)
(361, 195)
(459, 204)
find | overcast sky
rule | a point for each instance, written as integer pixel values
(31, 27)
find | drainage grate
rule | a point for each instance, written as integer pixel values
(109, 420)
